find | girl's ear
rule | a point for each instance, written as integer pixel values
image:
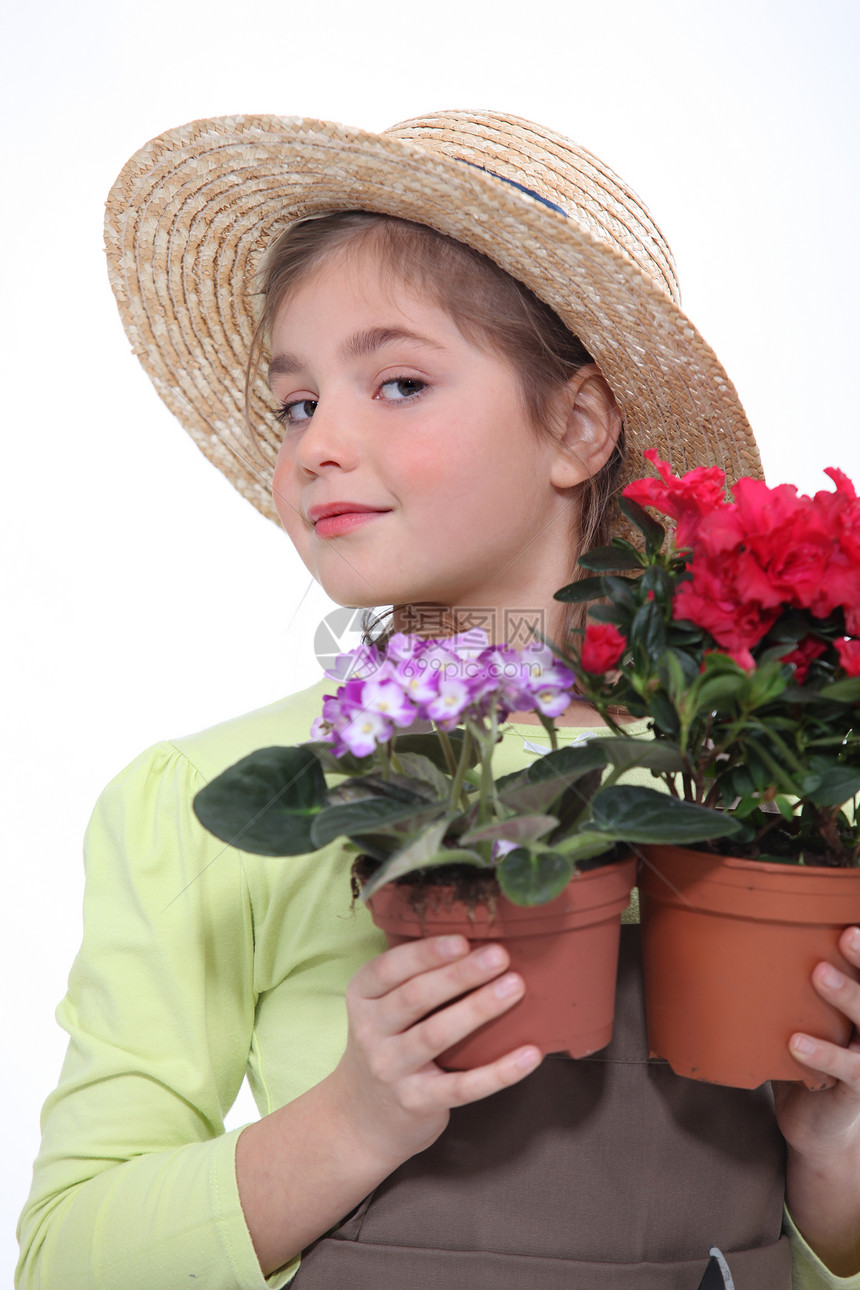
(589, 423)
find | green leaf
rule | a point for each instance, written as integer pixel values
(397, 788)
(266, 803)
(632, 814)
(652, 754)
(608, 559)
(653, 532)
(747, 807)
(610, 613)
(354, 818)
(519, 828)
(845, 691)
(418, 767)
(528, 879)
(520, 794)
(568, 764)
(574, 802)
(623, 592)
(687, 665)
(576, 592)
(664, 714)
(715, 691)
(766, 684)
(430, 746)
(584, 845)
(785, 807)
(838, 783)
(423, 852)
(648, 632)
(791, 627)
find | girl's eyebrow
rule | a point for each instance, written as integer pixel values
(359, 345)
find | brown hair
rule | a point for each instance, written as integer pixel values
(489, 307)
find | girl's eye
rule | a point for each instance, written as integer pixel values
(401, 388)
(292, 413)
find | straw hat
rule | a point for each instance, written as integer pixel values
(192, 213)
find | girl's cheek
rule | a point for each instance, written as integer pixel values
(285, 504)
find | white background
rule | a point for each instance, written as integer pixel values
(143, 597)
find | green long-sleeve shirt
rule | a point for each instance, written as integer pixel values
(199, 963)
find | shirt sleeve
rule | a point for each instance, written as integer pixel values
(135, 1186)
(807, 1270)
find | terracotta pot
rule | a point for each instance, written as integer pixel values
(566, 951)
(728, 946)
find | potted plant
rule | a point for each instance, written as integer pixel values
(739, 638)
(534, 858)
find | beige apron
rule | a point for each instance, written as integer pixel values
(601, 1173)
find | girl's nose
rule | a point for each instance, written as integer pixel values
(330, 438)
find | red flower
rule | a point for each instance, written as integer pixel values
(849, 656)
(725, 597)
(844, 504)
(687, 500)
(802, 655)
(794, 541)
(602, 647)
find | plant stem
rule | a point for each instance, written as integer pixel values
(457, 792)
(549, 726)
(487, 748)
(447, 752)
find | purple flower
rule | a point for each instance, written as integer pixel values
(387, 699)
(453, 698)
(419, 683)
(364, 731)
(364, 660)
(549, 681)
(446, 681)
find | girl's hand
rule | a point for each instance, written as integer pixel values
(822, 1128)
(405, 1008)
(820, 1124)
(300, 1168)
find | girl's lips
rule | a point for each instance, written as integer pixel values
(334, 525)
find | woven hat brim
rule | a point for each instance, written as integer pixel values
(192, 213)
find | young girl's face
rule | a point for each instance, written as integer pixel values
(420, 438)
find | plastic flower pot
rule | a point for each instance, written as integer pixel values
(728, 948)
(565, 950)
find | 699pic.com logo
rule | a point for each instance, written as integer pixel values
(338, 633)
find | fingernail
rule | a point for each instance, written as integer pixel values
(491, 957)
(832, 977)
(528, 1057)
(854, 937)
(508, 985)
(451, 946)
(803, 1044)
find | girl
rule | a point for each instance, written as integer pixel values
(469, 331)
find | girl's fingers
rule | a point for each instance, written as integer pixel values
(432, 980)
(849, 944)
(427, 1039)
(462, 1087)
(842, 1064)
(839, 990)
(383, 974)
